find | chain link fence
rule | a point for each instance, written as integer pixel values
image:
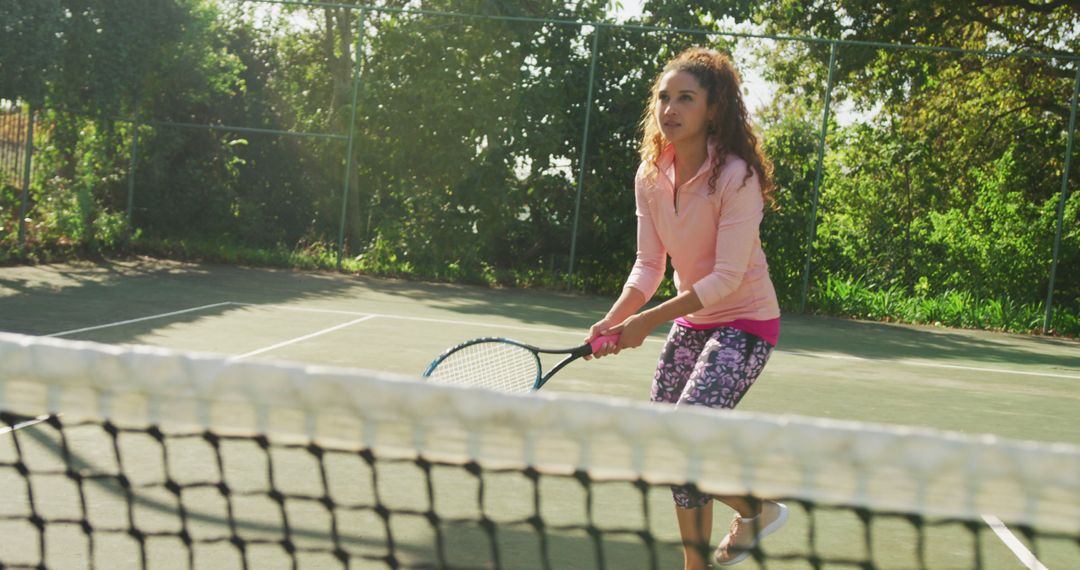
(449, 145)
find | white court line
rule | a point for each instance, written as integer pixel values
(21, 425)
(657, 340)
(301, 338)
(906, 362)
(1026, 557)
(977, 369)
(299, 309)
(140, 319)
(431, 320)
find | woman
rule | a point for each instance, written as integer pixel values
(701, 192)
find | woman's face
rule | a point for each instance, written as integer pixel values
(681, 107)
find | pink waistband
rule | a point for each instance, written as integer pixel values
(768, 330)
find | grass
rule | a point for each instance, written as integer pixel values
(952, 308)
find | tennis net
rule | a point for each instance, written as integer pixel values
(136, 457)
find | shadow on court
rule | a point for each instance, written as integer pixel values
(799, 333)
(43, 300)
(886, 341)
(54, 298)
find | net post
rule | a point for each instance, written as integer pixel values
(817, 178)
(1048, 317)
(346, 184)
(27, 161)
(584, 148)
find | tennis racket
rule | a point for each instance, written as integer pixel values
(502, 364)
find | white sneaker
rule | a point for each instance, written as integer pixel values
(745, 533)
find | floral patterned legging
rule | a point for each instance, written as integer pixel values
(707, 367)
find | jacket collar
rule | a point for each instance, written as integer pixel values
(665, 163)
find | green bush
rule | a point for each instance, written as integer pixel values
(952, 308)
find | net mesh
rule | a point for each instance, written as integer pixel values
(137, 457)
(493, 364)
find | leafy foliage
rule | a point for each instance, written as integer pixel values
(938, 204)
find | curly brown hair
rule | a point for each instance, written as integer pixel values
(729, 122)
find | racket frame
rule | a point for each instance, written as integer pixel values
(572, 354)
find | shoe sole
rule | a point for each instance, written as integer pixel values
(771, 528)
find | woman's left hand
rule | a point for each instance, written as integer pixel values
(632, 331)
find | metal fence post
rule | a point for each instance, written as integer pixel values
(352, 130)
(27, 162)
(131, 172)
(1048, 318)
(584, 149)
(817, 179)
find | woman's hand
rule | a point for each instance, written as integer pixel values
(632, 331)
(599, 329)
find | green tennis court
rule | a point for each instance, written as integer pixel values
(973, 382)
(976, 382)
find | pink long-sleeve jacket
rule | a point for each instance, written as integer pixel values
(712, 239)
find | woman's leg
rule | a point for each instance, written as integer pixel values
(693, 511)
(727, 366)
(695, 529)
(715, 369)
(677, 361)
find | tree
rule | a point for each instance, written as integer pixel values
(941, 122)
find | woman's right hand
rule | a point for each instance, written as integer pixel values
(599, 329)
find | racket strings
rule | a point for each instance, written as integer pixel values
(493, 365)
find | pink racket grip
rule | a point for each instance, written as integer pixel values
(599, 342)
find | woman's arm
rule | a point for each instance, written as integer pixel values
(633, 330)
(741, 210)
(736, 235)
(626, 305)
(645, 276)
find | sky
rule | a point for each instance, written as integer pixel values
(629, 9)
(756, 91)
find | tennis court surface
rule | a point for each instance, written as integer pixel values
(169, 415)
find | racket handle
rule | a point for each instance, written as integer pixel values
(598, 342)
